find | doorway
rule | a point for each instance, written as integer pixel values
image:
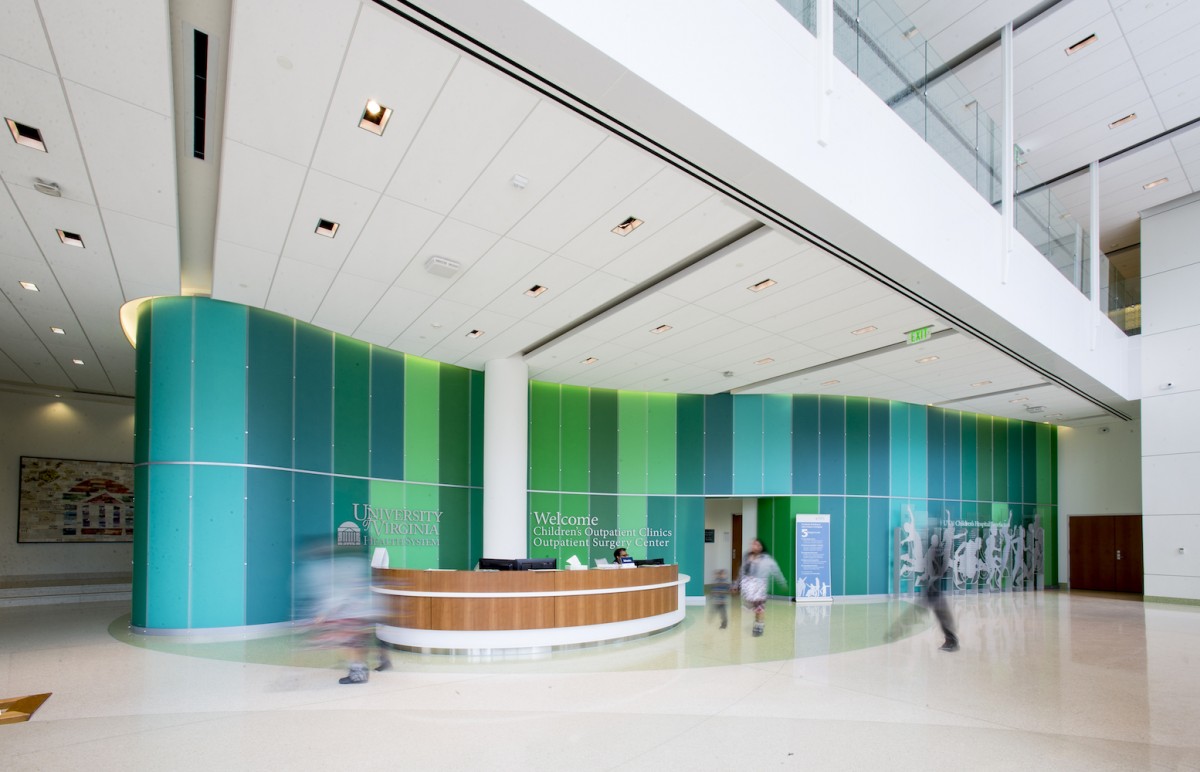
(736, 547)
(1106, 553)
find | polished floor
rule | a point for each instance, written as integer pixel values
(1043, 681)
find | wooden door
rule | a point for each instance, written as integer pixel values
(1106, 553)
(1127, 545)
(736, 547)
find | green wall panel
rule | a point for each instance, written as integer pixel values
(454, 426)
(689, 447)
(314, 399)
(969, 449)
(632, 424)
(631, 518)
(544, 428)
(858, 446)
(1000, 459)
(454, 529)
(477, 429)
(660, 539)
(421, 409)
(660, 443)
(603, 441)
(983, 457)
(576, 438)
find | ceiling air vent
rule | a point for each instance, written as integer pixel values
(199, 91)
(442, 266)
(47, 187)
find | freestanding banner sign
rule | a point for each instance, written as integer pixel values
(813, 571)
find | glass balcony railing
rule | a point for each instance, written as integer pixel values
(885, 50)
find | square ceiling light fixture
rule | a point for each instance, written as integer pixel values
(764, 361)
(26, 135)
(589, 361)
(28, 285)
(762, 285)
(535, 290)
(1154, 184)
(58, 331)
(70, 239)
(77, 361)
(375, 117)
(660, 329)
(326, 228)
(1123, 121)
(864, 330)
(474, 333)
(627, 226)
(928, 359)
(1082, 44)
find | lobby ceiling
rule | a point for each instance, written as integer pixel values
(479, 190)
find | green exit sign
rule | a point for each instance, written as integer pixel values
(919, 335)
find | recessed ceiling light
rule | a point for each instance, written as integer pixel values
(764, 361)
(660, 329)
(590, 361)
(762, 285)
(474, 333)
(928, 359)
(29, 286)
(628, 226)
(864, 330)
(535, 290)
(1123, 121)
(26, 135)
(1019, 399)
(375, 117)
(909, 33)
(977, 384)
(1154, 184)
(1082, 44)
(47, 187)
(77, 361)
(834, 382)
(58, 331)
(70, 239)
(519, 182)
(327, 228)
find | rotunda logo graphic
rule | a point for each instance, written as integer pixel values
(349, 535)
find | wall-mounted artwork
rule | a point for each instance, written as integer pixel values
(67, 501)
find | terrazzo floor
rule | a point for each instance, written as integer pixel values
(1051, 680)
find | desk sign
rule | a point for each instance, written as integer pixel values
(813, 565)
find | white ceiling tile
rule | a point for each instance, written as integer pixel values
(290, 61)
(548, 145)
(464, 244)
(585, 292)
(258, 197)
(399, 68)
(390, 240)
(453, 144)
(298, 288)
(607, 176)
(22, 37)
(242, 274)
(348, 301)
(496, 280)
(93, 44)
(45, 215)
(704, 225)
(393, 314)
(146, 254)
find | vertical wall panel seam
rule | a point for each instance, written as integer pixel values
(246, 588)
(191, 542)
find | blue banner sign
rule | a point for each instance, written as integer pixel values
(813, 565)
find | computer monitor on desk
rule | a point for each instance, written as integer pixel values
(537, 564)
(649, 562)
(497, 564)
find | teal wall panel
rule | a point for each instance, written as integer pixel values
(777, 444)
(953, 454)
(806, 444)
(880, 447)
(858, 548)
(858, 446)
(169, 431)
(166, 520)
(689, 447)
(689, 540)
(351, 406)
(269, 552)
(748, 445)
(603, 446)
(387, 414)
(219, 383)
(269, 407)
(935, 456)
(718, 445)
(313, 428)
(218, 548)
(833, 445)
(899, 463)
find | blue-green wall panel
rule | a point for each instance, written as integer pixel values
(314, 399)
(935, 457)
(835, 507)
(170, 380)
(899, 449)
(1015, 465)
(918, 464)
(880, 447)
(689, 538)
(718, 445)
(219, 546)
(269, 366)
(748, 445)
(777, 444)
(219, 382)
(806, 444)
(167, 572)
(689, 447)
(857, 551)
(858, 447)
(604, 447)
(387, 414)
(351, 406)
(660, 517)
(313, 506)
(833, 445)
(268, 545)
(953, 460)
(879, 541)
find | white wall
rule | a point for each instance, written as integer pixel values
(718, 515)
(1099, 473)
(1171, 399)
(40, 425)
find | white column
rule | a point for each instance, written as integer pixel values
(505, 457)
(824, 68)
(1171, 399)
(1008, 172)
(1094, 249)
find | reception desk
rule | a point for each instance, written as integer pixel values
(455, 611)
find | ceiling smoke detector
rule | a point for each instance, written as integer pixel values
(47, 187)
(442, 266)
(1034, 408)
